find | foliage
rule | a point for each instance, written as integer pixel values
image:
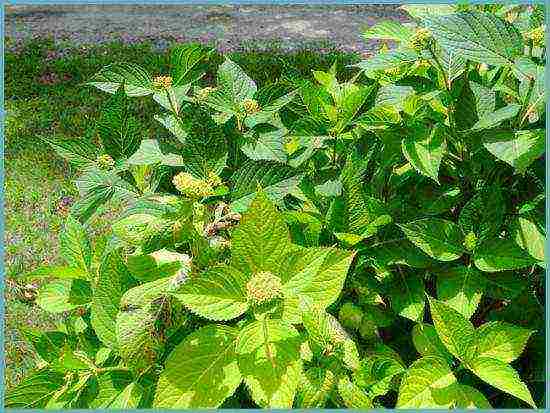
(370, 242)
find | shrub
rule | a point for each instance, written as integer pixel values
(373, 242)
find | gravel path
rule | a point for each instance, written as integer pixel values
(229, 27)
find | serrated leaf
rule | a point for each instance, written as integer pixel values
(352, 395)
(276, 180)
(103, 389)
(388, 30)
(57, 271)
(427, 342)
(454, 330)
(500, 255)
(418, 11)
(74, 245)
(149, 153)
(494, 119)
(118, 130)
(425, 151)
(518, 149)
(188, 62)
(47, 344)
(461, 288)
(217, 294)
(481, 37)
(316, 385)
(269, 360)
(112, 281)
(407, 296)
(439, 238)
(201, 372)
(381, 62)
(425, 384)
(467, 397)
(80, 151)
(501, 341)
(136, 81)
(34, 391)
(483, 214)
(266, 146)
(64, 295)
(129, 398)
(529, 236)
(394, 95)
(500, 375)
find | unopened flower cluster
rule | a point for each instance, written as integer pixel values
(421, 40)
(162, 82)
(264, 287)
(193, 187)
(105, 161)
(251, 106)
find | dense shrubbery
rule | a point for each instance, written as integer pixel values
(377, 241)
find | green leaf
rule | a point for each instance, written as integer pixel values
(266, 146)
(64, 295)
(201, 372)
(34, 391)
(498, 374)
(352, 395)
(217, 294)
(260, 242)
(149, 153)
(378, 117)
(269, 360)
(80, 151)
(529, 236)
(74, 245)
(394, 95)
(129, 398)
(501, 254)
(136, 81)
(427, 342)
(407, 296)
(439, 238)
(494, 119)
(461, 288)
(483, 214)
(388, 30)
(466, 397)
(276, 180)
(501, 341)
(173, 124)
(481, 37)
(454, 330)
(188, 62)
(118, 130)
(426, 384)
(399, 253)
(158, 264)
(112, 282)
(47, 344)
(315, 387)
(425, 151)
(518, 149)
(57, 271)
(418, 11)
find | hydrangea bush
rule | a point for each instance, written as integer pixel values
(369, 242)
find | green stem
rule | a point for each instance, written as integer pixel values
(172, 103)
(115, 368)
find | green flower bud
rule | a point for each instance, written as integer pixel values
(537, 36)
(263, 287)
(251, 106)
(105, 161)
(192, 187)
(470, 241)
(350, 316)
(421, 40)
(483, 68)
(214, 179)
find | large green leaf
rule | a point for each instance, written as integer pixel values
(201, 372)
(426, 385)
(80, 151)
(501, 341)
(118, 129)
(34, 391)
(407, 296)
(425, 151)
(269, 360)
(104, 389)
(517, 148)
(57, 271)
(64, 295)
(352, 395)
(136, 81)
(501, 254)
(454, 330)
(266, 146)
(427, 342)
(394, 95)
(112, 281)
(502, 376)
(381, 62)
(316, 386)
(493, 119)
(439, 238)
(461, 288)
(481, 37)
(276, 180)
(188, 62)
(74, 245)
(47, 344)
(467, 397)
(529, 236)
(388, 30)
(217, 294)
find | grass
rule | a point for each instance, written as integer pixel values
(44, 95)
